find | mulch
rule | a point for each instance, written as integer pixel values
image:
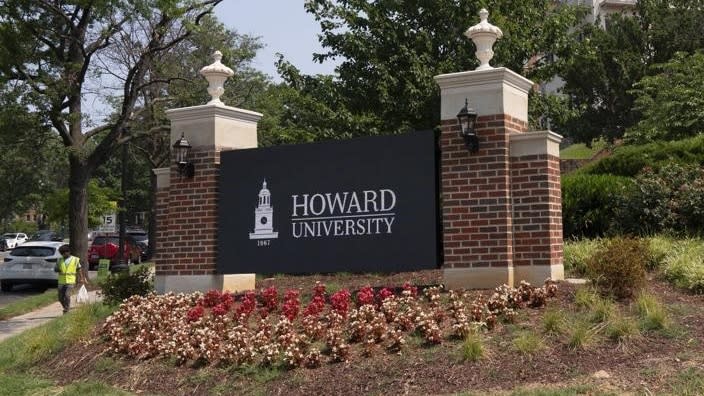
(646, 364)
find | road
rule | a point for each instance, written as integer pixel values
(21, 291)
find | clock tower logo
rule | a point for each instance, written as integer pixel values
(264, 217)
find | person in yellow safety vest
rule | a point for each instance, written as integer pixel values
(68, 267)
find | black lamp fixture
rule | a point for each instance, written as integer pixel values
(467, 118)
(181, 150)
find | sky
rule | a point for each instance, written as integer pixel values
(283, 26)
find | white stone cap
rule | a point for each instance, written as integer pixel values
(216, 109)
(483, 27)
(535, 143)
(480, 77)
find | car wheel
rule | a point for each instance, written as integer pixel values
(5, 286)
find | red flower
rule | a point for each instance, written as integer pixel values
(195, 313)
(211, 299)
(315, 307)
(249, 303)
(270, 298)
(385, 293)
(408, 287)
(291, 305)
(219, 310)
(340, 302)
(365, 296)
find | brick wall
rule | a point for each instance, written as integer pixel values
(187, 219)
(537, 203)
(476, 200)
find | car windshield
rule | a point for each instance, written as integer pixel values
(33, 251)
(10, 235)
(103, 240)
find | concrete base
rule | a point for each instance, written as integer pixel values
(203, 283)
(536, 274)
(477, 277)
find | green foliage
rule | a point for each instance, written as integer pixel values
(602, 311)
(101, 201)
(28, 227)
(577, 252)
(586, 297)
(581, 335)
(629, 160)
(670, 199)
(473, 347)
(618, 268)
(652, 313)
(601, 66)
(588, 203)
(119, 286)
(621, 328)
(670, 100)
(684, 265)
(391, 51)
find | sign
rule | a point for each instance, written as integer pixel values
(103, 269)
(109, 223)
(367, 204)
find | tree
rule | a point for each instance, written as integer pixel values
(601, 67)
(670, 101)
(391, 50)
(102, 202)
(53, 48)
(25, 180)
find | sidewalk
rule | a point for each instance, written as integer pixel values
(18, 324)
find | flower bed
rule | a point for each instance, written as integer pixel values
(261, 329)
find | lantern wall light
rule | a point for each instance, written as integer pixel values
(181, 150)
(467, 118)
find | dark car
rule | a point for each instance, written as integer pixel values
(3, 244)
(46, 236)
(141, 238)
(107, 246)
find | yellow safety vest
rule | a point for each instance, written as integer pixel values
(67, 270)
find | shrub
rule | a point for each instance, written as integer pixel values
(631, 159)
(554, 321)
(588, 203)
(602, 311)
(621, 329)
(117, 287)
(580, 336)
(585, 297)
(670, 199)
(618, 268)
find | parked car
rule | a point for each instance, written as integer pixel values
(141, 238)
(47, 235)
(106, 247)
(33, 262)
(14, 239)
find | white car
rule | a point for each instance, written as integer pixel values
(33, 262)
(15, 239)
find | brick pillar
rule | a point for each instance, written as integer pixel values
(187, 208)
(537, 206)
(478, 222)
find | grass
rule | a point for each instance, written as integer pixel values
(582, 335)
(652, 313)
(581, 151)
(621, 329)
(554, 322)
(42, 342)
(528, 343)
(28, 304)
(576, 255)
(586, 297)
(602, 310)
(473, 347)
(684, 266)
(19, 353)
(688, 382)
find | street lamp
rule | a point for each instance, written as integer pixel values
(467, 118)
(181, 150)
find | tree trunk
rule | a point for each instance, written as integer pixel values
(78, 211)
(152, 216)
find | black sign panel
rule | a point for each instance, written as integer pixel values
(359, 205)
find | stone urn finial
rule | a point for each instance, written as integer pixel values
(484, 36)
(216, 74)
